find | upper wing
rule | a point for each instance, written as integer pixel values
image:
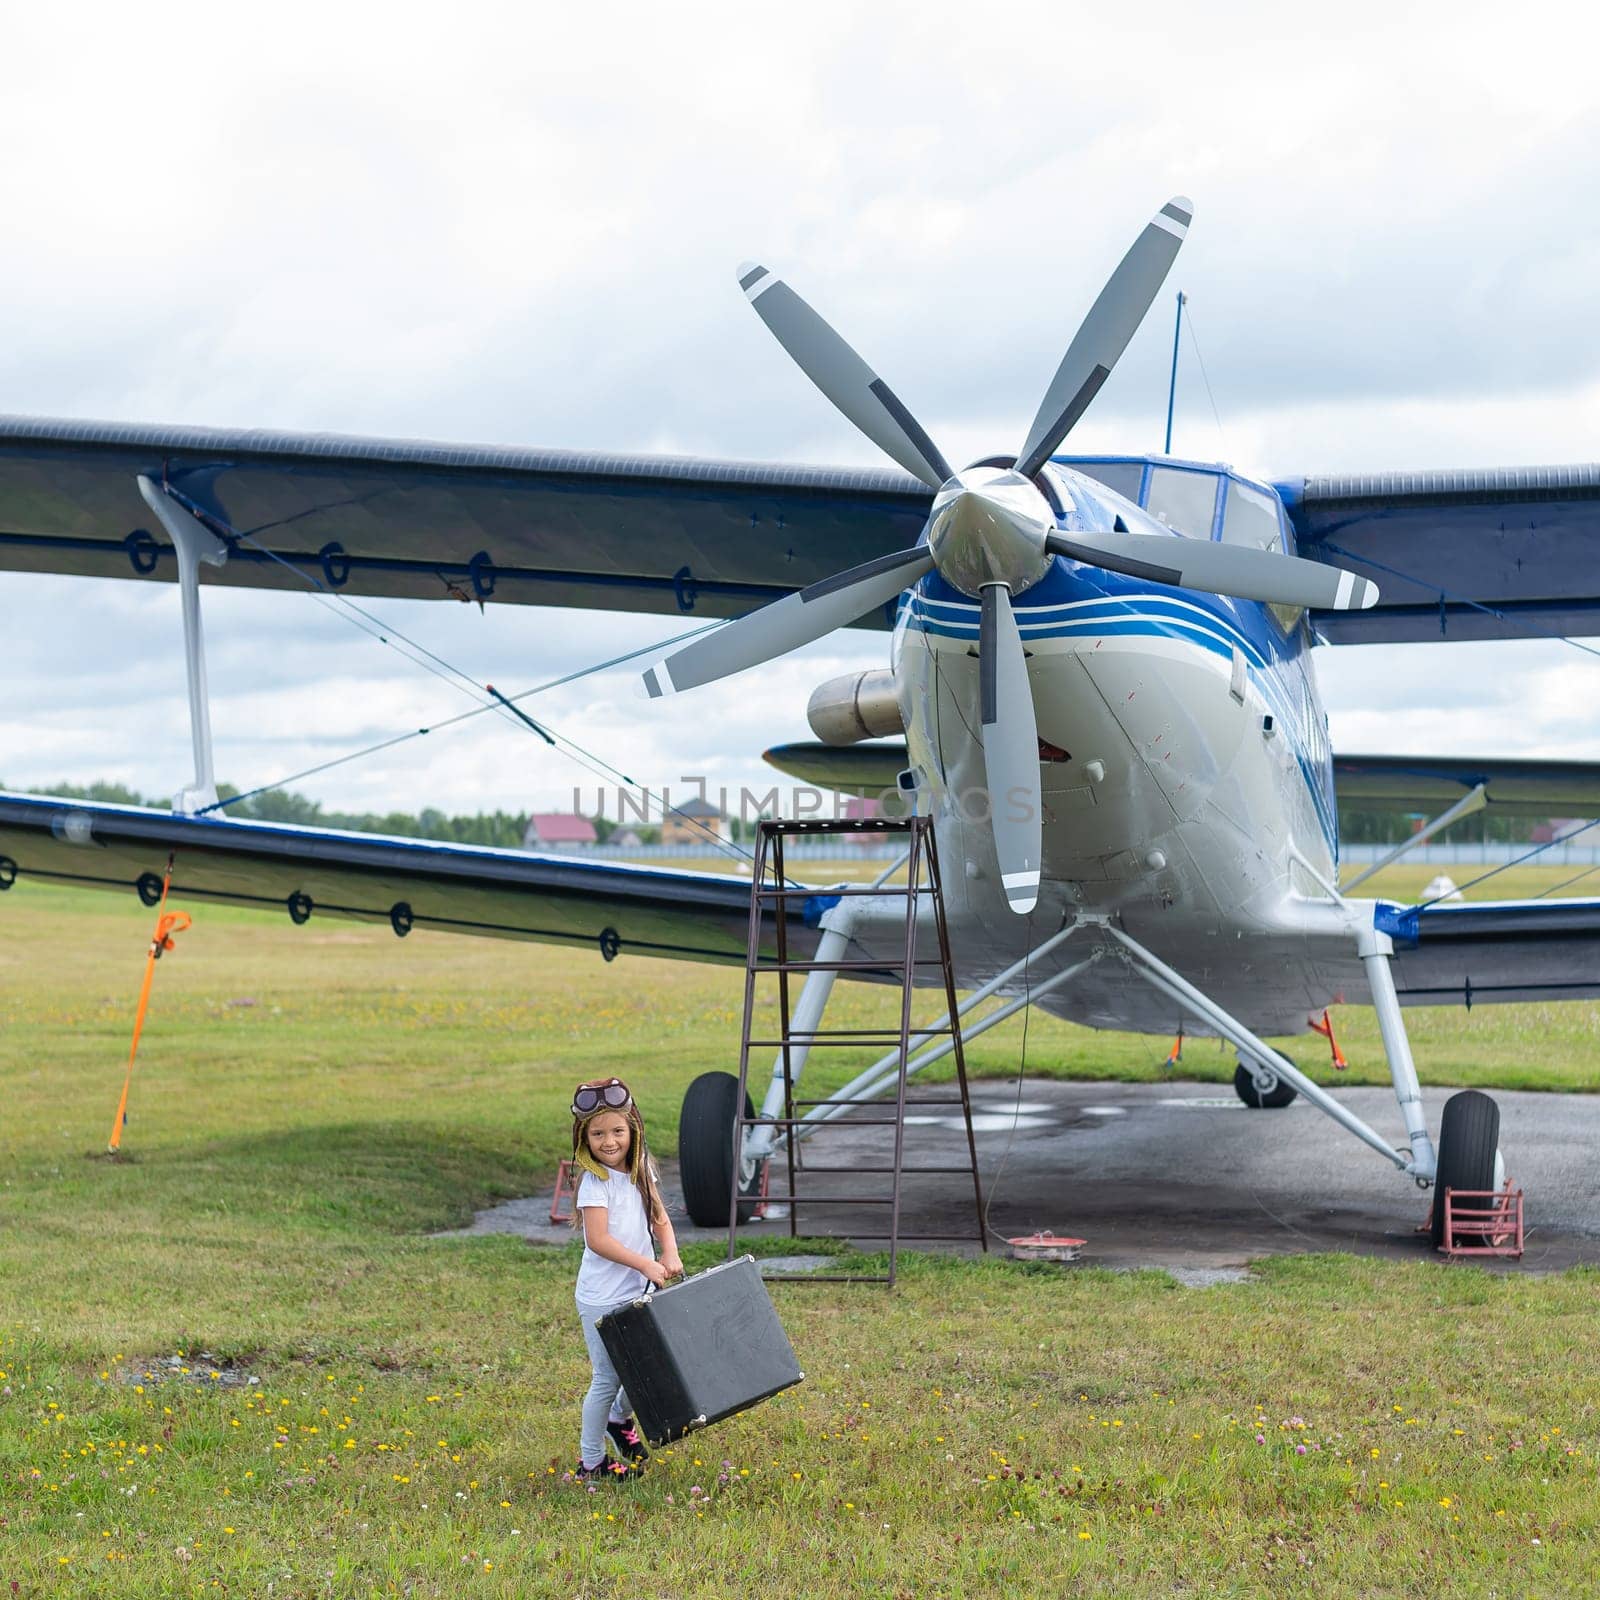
(1504, 554)
(407, 883)
(1512, 787)
(393, 517)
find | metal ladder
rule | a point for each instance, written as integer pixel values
(922, 879)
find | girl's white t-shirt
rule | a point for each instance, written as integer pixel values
(601, 1281)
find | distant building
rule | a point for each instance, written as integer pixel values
(558, 830)
(626, 839)
(1559, 828)
(694, 822)
(860, 809)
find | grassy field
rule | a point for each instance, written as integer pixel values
(233, 1360)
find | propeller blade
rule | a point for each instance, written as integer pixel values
(1231, 569)
(788, 623)
(1010, 749)
(842, 375)
(1112, 321)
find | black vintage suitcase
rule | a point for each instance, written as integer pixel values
(700, 1350)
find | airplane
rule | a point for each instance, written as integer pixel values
(1100, 686)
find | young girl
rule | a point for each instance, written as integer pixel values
(621, 1208)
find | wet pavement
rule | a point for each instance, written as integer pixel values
(1175, 1175)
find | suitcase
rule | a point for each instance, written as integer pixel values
(699, 1351)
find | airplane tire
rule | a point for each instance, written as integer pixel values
(1273, 1099)
(705, 1150)
(1469, 1138)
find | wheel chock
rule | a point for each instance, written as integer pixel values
(1482, 1222)
(566, 1189)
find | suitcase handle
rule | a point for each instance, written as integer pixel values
(650, 1288)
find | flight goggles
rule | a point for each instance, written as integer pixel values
(590, 1097)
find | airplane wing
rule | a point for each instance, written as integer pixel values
(1512, 553)
(1513, 787)
(420, 520)
(406, 883)
(1484, 952)
(1458, 555)
(864, 769)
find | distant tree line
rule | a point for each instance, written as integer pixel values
(1393, 827)
(503, 828)
(507, 828)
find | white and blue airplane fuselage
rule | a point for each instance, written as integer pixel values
(1186, 779)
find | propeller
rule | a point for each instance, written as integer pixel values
(1010, 749)
(992, 534)
(1231, 569)
(842, 375)
(788, 623)
(1113, 320)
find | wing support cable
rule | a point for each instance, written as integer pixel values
(1468, 805)
(169, 501)
(1515, 861)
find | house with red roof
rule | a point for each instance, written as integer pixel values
(558, 830)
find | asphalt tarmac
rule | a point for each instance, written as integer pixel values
(1178, 1176)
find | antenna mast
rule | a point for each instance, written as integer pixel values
(1172, 383)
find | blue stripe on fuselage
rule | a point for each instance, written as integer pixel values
(1074, 599)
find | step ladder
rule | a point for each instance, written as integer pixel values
(771, 891)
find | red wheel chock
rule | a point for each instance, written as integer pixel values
(1481, 1222)
(566, 1189)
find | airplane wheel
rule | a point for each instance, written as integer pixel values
(705, 1151)
(1469, 1140)
(1276, 1095)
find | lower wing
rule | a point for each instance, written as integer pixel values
(1489, 951)
(406, 883)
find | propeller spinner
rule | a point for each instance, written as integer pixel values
(992, 534)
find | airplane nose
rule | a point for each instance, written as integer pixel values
(989, 526)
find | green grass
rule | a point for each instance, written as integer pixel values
(416, 1399)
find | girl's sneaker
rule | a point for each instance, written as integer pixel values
(628, 1440)
(608, 1471)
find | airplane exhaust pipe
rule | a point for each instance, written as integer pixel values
(860, 705)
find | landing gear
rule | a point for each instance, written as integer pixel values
(705, 1151)
(1469, 1139)
(1262, 1088)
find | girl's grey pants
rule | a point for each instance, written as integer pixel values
(605, 1397)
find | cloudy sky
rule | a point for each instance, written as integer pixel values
(500, 225)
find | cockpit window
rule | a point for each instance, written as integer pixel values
(1183, 500)
(1250, 517)
(1122, 477)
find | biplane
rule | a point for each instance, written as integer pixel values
(1099, 683)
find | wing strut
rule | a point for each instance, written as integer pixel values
(194, 544)
(1470, 803)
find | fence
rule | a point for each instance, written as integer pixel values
(829, 850)
(1443, 855)
(1575, 854)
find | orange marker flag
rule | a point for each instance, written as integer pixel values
(168, 923)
